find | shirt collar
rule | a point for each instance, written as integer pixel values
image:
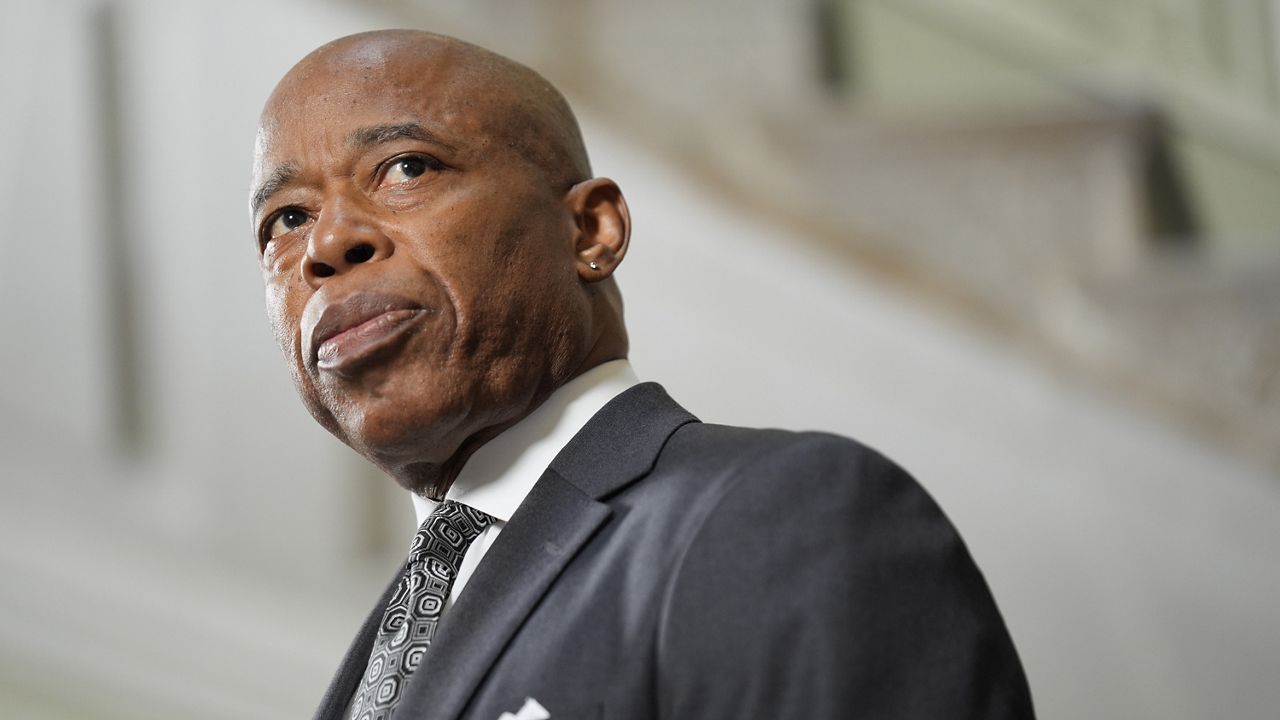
(498, 476)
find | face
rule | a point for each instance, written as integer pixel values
(420, 273)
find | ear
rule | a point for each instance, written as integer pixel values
(603, 227)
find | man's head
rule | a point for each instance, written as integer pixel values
(437, 257)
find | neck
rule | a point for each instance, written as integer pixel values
(525, 449)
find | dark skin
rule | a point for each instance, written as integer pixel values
(436, 255)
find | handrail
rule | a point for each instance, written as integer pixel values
(1214, 65)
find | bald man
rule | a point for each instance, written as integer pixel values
(438, 262)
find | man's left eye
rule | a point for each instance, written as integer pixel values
(409, 167)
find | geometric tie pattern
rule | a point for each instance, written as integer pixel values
(413, 613)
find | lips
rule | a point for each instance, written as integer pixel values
(359, 328)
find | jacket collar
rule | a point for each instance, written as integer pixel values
(499, 475)
(622, 441)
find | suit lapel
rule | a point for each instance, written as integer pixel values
(562, 512)
(551, 525)
(344, 683)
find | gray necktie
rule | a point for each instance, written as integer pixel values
(413, 613)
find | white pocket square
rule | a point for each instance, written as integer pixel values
(531, 710)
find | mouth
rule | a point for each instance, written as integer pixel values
(359, 329)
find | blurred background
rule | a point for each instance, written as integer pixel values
(1028, 248)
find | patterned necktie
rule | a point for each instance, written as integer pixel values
(414, 610)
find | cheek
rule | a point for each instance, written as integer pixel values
(283, 323)
(283, 310)
(283, 316)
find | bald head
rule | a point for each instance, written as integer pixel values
(519, 108)
(437, 257)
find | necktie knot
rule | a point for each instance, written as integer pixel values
(448, 530)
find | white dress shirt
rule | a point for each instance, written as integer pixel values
(498, 476)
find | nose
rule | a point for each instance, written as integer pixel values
(343, 237)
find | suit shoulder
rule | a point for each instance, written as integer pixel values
(820, 550)
(737, 439)
(769, 463)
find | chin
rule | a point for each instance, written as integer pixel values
(394, 430)
(418, 423)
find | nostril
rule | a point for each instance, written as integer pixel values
(358, 254)
(322, 270)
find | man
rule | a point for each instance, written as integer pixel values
(438, 263)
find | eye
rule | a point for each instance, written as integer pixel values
(407, 167)
(286, 221)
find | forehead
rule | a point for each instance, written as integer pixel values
(324, 100)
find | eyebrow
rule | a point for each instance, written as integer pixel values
(360, 139)
(367, 137)
(281, 176)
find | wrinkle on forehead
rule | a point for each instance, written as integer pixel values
(472, 89)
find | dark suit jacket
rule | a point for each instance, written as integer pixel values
(666, 568)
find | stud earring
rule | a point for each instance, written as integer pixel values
(593, 265)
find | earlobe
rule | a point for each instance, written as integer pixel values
(603, 227)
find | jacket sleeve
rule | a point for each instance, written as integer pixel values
(826, 583)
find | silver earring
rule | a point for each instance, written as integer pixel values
(593, 265)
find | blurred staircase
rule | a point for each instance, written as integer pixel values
(1059, 172)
